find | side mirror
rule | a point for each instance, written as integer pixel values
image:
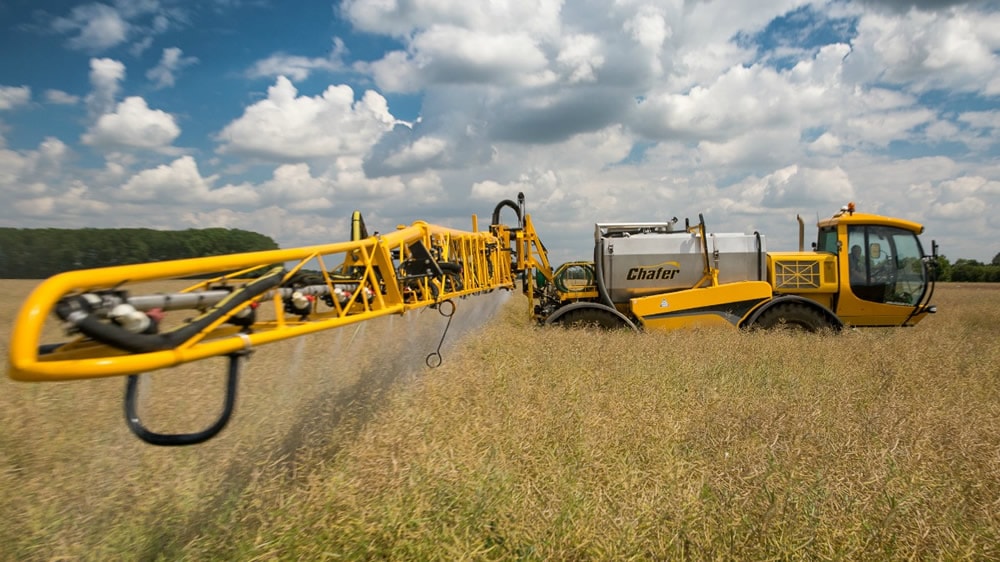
(874, 250)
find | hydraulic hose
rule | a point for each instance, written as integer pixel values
(930, 272)
(501, 205)
(76, 311)
(602, 291)
(760, 257)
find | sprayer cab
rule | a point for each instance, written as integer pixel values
(884, 277)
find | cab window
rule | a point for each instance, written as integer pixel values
(885, 265)
(827, 241)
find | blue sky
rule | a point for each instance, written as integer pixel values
(284, 117)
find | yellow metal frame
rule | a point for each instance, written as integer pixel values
(381, 291)
(530, 254)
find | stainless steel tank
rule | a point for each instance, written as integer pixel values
(640, 259)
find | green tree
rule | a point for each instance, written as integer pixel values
(968, 271)
(42, 252)
(943, 269)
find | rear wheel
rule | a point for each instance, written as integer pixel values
(793, 316)
(592, 318)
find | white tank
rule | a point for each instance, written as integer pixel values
(640, 259)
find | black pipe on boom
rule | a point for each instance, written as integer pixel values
(602, 290)
(510, 204)
(760, 247)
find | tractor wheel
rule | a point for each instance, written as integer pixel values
(793, 316)
(590, 318)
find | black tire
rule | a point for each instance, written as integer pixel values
(793, 316)
(592, 318)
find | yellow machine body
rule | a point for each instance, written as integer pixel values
(886, 281)
(719, 305)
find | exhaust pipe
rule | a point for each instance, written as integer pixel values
(802, 233)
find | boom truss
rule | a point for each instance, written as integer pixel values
(247, 300)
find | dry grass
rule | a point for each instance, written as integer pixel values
(533, 443)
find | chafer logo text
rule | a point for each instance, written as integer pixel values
(652, 272)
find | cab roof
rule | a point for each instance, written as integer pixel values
(855, 218)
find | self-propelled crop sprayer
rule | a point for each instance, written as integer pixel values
(864, 270)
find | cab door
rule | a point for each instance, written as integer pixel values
(882, 277)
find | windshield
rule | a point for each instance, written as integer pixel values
(886, 264)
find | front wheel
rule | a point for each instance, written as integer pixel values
(793, 316)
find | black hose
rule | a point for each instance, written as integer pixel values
(704, 242)
(500, 206)
(925, 299)
(760, 248)
(602, 291)
(76, 311)
(450, 268)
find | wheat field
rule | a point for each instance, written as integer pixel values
(529, 443)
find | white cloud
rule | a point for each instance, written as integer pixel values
(826, 144)
(796, 187)
(31, 166)
(718, 110)
(286, 126)
(981, 119)
(298, 67)
(882, 128)
(450, 55)
(422, 151)
(34, 185)
(59, 97)
(12, 165)
(293, 187)
(52, 151)
(173, 61)
(538, 17)
(105, 81)
(133, 125)
(36, 207)
(580, 58)
(649, 27)
(96, 27)
(14, 96)
(394, 72)
(45, 204)
(291, 228)
(493, 192)
(180, 183)
(924, 50)
(140, 46)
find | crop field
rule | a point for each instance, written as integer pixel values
(528, 443)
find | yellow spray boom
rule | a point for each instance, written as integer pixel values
(244, 301)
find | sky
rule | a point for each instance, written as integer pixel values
(284, 117)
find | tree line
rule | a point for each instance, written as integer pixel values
(37, 253)
(968, 271)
